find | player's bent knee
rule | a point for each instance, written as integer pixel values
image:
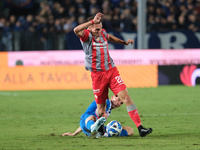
(130, 132)
(128, 129)
(124, 96)
(90, 118)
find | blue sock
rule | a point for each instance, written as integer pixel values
(89, 123)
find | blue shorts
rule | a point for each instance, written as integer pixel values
(82, 124)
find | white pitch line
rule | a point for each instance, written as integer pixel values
(184, 114)
(8, 94)
(70, 116)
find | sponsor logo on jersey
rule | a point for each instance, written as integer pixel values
(103, 45)
(96, 90)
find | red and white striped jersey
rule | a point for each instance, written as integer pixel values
(97, 57)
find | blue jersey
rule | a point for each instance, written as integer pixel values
(91, 112)
(93, 106)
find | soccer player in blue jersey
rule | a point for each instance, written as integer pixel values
(89, 119)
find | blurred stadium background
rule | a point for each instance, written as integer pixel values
(28, 25)
(38, 35)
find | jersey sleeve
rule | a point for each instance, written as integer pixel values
(85, 35)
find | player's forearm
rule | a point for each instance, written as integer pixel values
(78, 30)
(114, 39)
(78, 131)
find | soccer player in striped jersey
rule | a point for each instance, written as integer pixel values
(104, 73)
(89, 119)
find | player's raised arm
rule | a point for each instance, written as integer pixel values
(78, 30)
(114, 39)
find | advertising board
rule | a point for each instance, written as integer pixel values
(70, 77)
(120, 57)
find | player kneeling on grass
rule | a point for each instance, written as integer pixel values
(89, 121)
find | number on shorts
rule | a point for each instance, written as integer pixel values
(119, 79)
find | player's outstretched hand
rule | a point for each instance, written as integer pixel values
(97, 18)
(68, 134)
(129, 41)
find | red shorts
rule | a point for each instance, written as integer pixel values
(101, 81)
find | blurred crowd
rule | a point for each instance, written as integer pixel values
(61, 16)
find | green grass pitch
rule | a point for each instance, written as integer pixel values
(34, 120)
